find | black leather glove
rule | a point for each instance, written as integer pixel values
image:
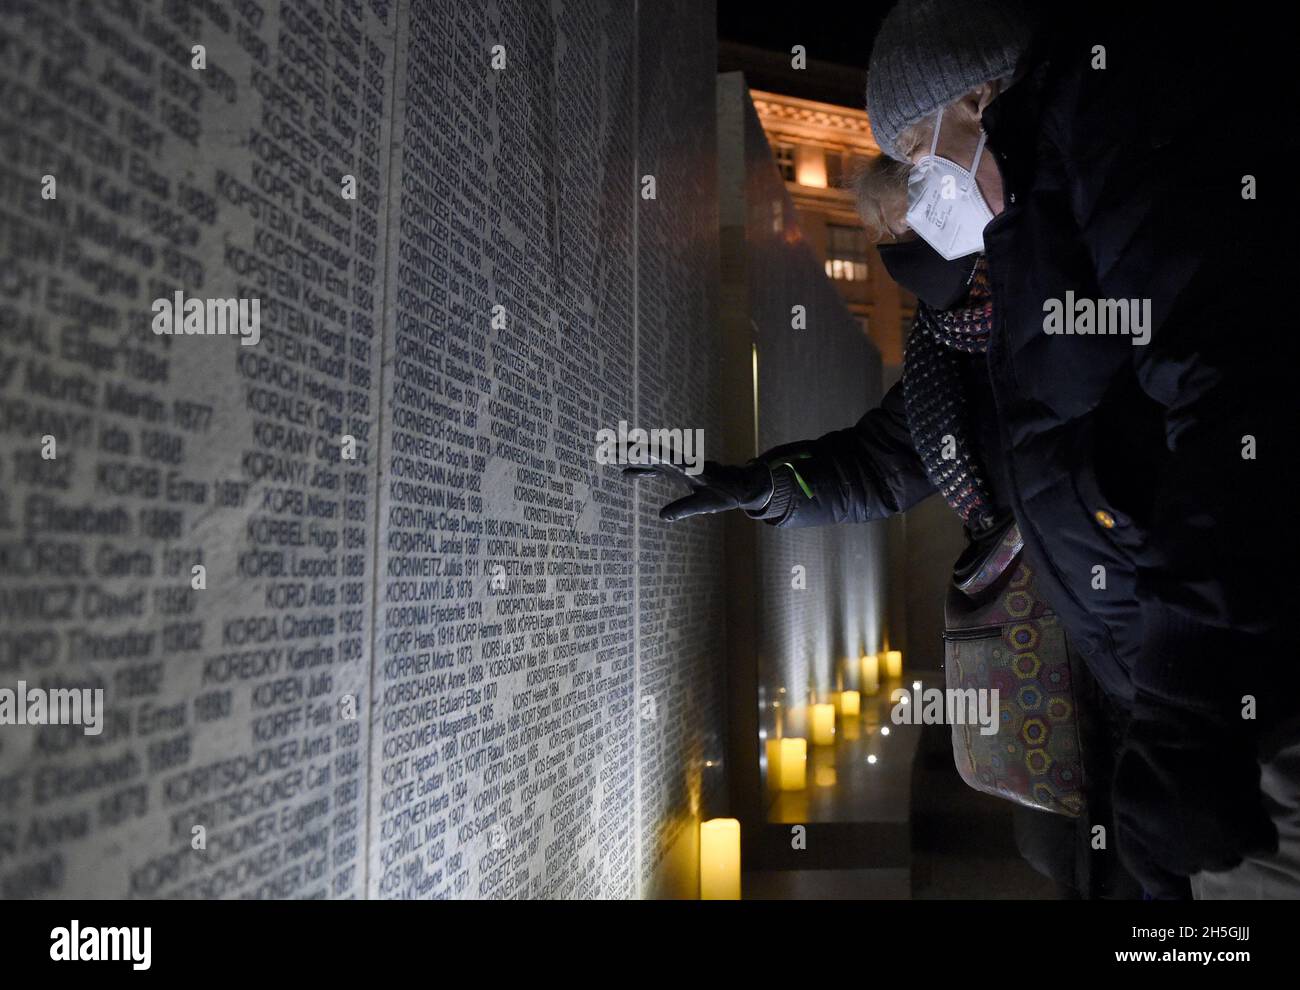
(716, 488)
(1187, 797)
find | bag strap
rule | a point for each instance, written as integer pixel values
(993, 565)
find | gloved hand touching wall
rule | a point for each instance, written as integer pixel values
(717, 488)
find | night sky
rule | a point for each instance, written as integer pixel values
(831, 32)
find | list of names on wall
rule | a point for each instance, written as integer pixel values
(187, 518)
(310, 312)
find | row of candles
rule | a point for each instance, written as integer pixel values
(787, 763)
(787, 756)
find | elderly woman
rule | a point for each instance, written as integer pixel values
(935, 431)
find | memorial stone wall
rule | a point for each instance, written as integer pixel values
(369, 619)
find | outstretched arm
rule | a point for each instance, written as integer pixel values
(865, 472)
(868, 471)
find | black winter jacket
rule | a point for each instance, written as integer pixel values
(1166, 464)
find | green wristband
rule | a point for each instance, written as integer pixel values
(803, 485)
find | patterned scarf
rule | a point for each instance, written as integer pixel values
(935, 398)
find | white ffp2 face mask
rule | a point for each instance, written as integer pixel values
(944, 203)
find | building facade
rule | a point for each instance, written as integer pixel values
(818, 148)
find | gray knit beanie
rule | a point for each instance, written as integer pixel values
(930, 52)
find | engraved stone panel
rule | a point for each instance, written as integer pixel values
(231, 759)
(414, 659)
(679, 575)
(534, 298)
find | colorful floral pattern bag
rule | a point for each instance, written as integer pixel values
(1001, 636)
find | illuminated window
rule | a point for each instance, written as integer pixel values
(810, 166)
(846, 253)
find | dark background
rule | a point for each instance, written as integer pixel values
(837, 38)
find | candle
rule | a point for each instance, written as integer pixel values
(823, 725)
(870, 673)
(794, 764)
(850, 702)
(720, 860)
(893, 663)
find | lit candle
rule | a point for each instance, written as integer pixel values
(823, 725)
(720, 860)
(850, 702)
(794, 764)
(870, 673)
(893, 663)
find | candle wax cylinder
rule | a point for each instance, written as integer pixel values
(870, 673)
(894, 663)
(794, 764)
(850, 702)
(823, 725)
(720, 859)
